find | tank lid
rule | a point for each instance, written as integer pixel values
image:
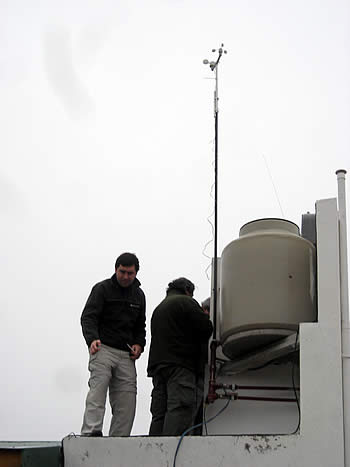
(269, 224)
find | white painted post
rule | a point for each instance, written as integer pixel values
(344, 292)
(344, 303)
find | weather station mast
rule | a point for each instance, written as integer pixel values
(214, 66)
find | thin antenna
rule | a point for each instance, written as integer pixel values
(273, 185)
(214, 66)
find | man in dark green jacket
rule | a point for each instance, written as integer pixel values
(179, 329)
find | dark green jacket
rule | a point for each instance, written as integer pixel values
(179, 329)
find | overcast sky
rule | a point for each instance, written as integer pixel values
(106, 146)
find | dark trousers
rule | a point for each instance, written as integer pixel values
(174, 401)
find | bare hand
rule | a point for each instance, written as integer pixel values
(95, 346)
(136, 350)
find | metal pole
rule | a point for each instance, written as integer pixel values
(214, 66)
(212, 395)
(215, 281)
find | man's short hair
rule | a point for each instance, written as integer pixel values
(127, 259)
(181, 285)
(206, 304)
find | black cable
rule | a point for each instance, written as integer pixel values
(205, 419)
(212, 230)
(293, 382)
(196, 426)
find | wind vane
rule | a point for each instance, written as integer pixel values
(214, 66)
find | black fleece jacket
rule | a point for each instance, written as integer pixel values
(116, 315)
(179, 330)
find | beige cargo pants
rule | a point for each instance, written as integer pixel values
(110, 370)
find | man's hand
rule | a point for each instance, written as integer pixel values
(135, 351)
(95, 346)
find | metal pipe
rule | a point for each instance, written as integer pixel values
(344, 306)
(266, 399)
(267, 388)
(212, 396)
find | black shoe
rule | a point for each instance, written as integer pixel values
(94, 434)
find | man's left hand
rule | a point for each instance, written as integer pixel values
(136, 350)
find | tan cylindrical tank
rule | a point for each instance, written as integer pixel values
(267, 285)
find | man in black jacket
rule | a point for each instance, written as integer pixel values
(113, 323)
(179, 330)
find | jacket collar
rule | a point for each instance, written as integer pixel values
(175, 292)
(136, 282)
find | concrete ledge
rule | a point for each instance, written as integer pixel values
(223, 451)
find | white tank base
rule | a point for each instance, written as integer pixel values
(246, 341)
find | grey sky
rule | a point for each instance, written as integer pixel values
(107, 146)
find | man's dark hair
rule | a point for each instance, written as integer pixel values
(127, 259)
(181, 285)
